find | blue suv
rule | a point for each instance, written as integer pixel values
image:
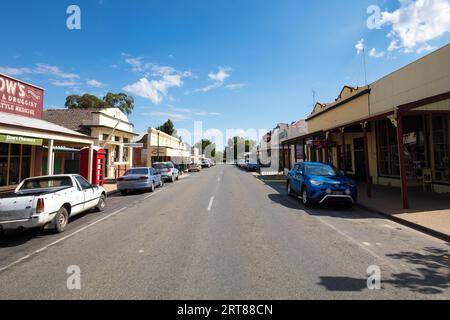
(315, 182)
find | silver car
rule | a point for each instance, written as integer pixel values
(139, 179)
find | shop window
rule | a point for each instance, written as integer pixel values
(441, 146)
(388, 159)
(3, 170)
(15, 163)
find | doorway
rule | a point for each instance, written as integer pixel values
(360, 162)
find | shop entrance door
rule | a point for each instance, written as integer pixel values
(360, 165)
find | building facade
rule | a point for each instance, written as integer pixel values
(110, 129)
(393, 132)
(29, 145)
(161, 147)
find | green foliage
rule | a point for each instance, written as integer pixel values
(168, 127)
(239, 144)
(112, 100)
(204, 144)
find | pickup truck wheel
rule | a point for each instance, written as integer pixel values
(101, 204)
(62, 219)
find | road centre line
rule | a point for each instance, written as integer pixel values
(62, 239)
(210, 203)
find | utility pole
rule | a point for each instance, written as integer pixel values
(364, 64)
(159, 159)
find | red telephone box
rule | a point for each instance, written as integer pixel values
(98, 163)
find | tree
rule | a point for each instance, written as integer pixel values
(120, 101)
(240, 146)
(85, 101)
(206, 145)
(168, 128)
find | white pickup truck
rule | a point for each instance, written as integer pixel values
(49, 202)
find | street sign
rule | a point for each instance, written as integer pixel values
(133, 145)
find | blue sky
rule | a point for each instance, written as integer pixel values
(230, 63)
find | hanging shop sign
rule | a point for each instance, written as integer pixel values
(410, 138)
(5, 138)
(20, 98)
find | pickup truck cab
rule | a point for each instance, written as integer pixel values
(49, 202)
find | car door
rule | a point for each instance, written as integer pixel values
(155, 177)
(89, 193)
(295, 183)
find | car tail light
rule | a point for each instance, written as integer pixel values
(143, 178)
(40, 208)
(169, 170)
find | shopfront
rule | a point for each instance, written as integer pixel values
(28, 144)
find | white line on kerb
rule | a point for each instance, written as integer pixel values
(210, 203)
(61, 240)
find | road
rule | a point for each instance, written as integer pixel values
(224, 234)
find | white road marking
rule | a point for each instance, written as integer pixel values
(365, 248)
(210, 203)
(367, 244)
(61, 240)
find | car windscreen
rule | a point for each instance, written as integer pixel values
(47, 183)
(159, 166)
(136, 171)
(322, 170)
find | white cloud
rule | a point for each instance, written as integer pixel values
(54, 71)
(167, 115)
(425, 48)
(375, 54)
(95, 84)
(220, 76)
(416, 22)
(236, 86)
(217, 78)
(360, 46)
(155, 90)
(69, 83)
(196, 112)
(14, 71)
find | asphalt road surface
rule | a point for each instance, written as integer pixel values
(224, 234)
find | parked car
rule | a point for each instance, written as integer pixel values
(241, 164)
(320, 183)
(194, 167)
(167, 171)
(139, 179)
(206, 164)
(49, 202)
(252, 165)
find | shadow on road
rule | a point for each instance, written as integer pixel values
(343, 284)
(335, 210)
(432, 271)
(430, 267)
